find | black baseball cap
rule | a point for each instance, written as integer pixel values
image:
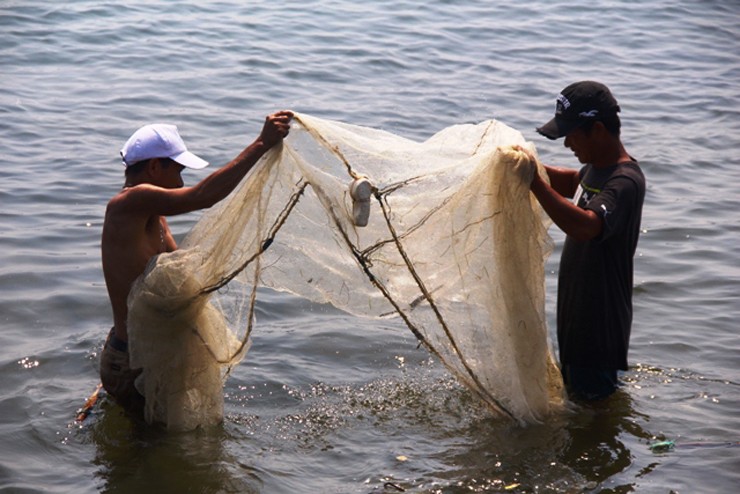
(577, 104)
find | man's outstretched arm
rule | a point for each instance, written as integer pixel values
(217, 185)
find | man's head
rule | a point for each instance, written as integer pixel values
(159, 141)
(580, 105)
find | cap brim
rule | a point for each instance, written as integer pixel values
(189, 160)
(558, 127)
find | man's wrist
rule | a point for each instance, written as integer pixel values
(259, 147)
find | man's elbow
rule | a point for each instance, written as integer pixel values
(202, 198)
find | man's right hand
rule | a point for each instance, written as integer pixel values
(276, 128)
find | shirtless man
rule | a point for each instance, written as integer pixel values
(135, 228)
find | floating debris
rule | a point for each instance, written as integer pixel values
(662, 446)
(83, 412)
(391, 485)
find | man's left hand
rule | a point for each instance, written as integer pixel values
(526, 165)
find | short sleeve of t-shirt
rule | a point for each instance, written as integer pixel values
(615, 204)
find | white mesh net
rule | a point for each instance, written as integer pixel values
(455, 245)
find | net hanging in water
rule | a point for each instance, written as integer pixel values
(454, 244)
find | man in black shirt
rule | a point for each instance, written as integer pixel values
(602, 224)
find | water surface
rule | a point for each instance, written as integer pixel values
(325, 402)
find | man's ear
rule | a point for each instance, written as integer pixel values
(154, 167)
(599, 127)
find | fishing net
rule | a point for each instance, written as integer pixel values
(453, 243)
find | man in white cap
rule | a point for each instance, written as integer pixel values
(602, 226)
(135, 228)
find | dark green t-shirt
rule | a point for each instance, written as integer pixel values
(594, 311)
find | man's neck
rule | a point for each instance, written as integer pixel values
(614, 153)
(132, 182)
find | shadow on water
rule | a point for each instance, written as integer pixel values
(600, 438)
(347, 438)
(134, 457)
(588, 449)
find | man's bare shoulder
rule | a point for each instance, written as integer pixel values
(134, 199)
(129, 219)
(132, 233)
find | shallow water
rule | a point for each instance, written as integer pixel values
(325, 402)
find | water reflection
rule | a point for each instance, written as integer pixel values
(598, 442)
(134, 457)
(585, 450)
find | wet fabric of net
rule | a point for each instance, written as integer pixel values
(454, 245)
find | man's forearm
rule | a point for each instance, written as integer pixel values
(220, 183)
(563, 180)
(581, 224)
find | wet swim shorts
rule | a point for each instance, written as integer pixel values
(116, 375)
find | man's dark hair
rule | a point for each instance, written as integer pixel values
(140, 166)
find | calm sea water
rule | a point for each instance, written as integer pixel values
(326, 403)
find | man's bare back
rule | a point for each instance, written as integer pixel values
(129, 241)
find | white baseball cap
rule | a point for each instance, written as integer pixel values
(159, 141)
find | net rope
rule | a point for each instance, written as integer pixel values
(454, 245)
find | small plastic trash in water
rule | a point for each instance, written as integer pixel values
(360, 190)
(661, 446)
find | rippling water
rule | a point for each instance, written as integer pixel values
(325, 402)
